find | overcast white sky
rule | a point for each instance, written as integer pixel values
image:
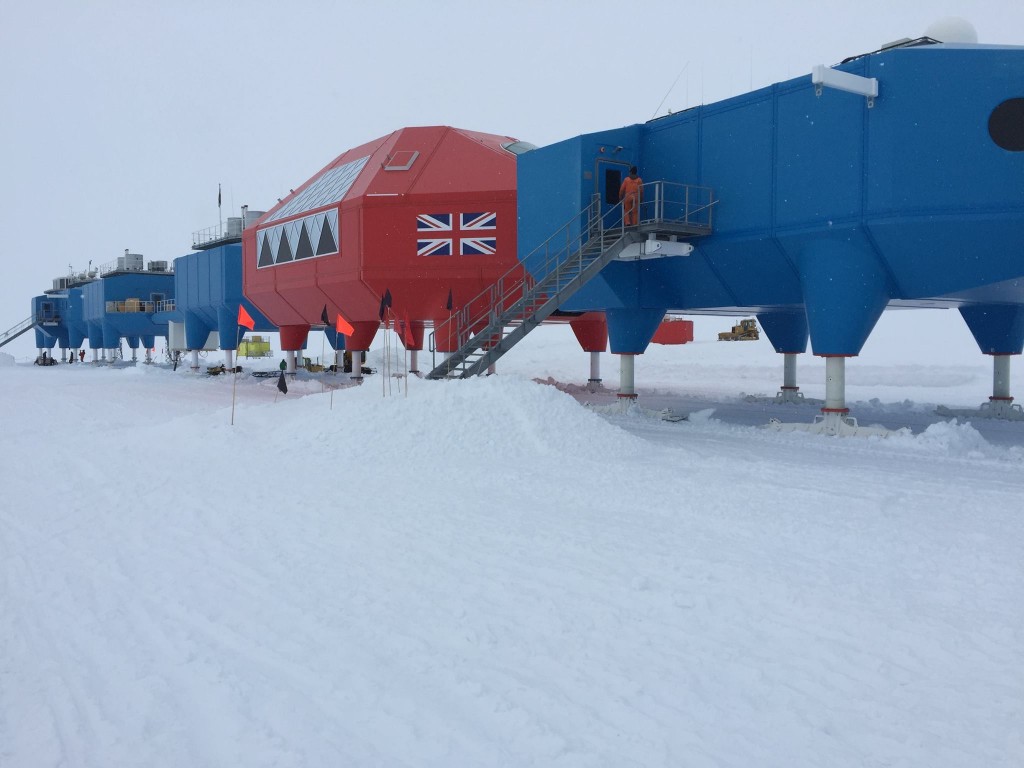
(120, 117)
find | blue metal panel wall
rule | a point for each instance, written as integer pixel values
(825, 203)
(77, 327)
(106, 329)
(671, 148)
(819, 157)
(945, 201)
(50, 313)
(210, 291)
(553, 177)
(736, 152)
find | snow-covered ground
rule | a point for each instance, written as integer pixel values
(490, 573)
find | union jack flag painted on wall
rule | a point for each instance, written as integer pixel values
(468, 234)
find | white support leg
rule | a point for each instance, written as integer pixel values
(229, 359)
(103, 355)
(627, 381)
(357, 365)
(195, 359)
(1000, 405)
(1001, 377)
(594, 382)
(289, 357)
(834, 418)
(149, 355)
(135, 355)
(790, 392)
(95, 355)
(789, 371)
(627, 395)
(414, 361)
(835, 385)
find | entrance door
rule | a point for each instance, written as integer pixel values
(608, 176)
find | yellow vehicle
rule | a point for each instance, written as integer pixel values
(254, 347)
(745, 331)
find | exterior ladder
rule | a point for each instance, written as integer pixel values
(494, 321)
(12, 333)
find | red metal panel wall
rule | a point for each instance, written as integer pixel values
(454, 174)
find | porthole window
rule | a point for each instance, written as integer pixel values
(1006, 125)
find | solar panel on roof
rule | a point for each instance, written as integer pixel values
(328, 189)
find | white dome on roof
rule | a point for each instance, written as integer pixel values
(952, 29)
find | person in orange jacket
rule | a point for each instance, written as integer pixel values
(631, 194)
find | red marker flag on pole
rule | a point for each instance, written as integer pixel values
(245, 319)
(343, 326)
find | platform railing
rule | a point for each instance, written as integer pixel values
(683, 205)
(120, 265)
(131, 305)
(209, 235)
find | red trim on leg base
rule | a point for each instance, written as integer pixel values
(835, 410)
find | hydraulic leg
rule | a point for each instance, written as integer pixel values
(627, 380)
(594, 382)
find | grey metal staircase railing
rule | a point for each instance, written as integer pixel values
(12, 333)
(494, 321)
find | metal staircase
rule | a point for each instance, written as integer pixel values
(494, 321)
(12, 333)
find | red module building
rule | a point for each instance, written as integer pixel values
(422, 214)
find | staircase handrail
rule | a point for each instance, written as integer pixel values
(17, 329)
(525, 274)
(662, 201)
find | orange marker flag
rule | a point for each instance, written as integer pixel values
(245, 319)
(343, 326)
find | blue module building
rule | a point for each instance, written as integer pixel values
(50, 312)
(892, 179)
(123, 302)
(208, 292)
(58, 319)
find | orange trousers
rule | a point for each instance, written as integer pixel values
(629, 210)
